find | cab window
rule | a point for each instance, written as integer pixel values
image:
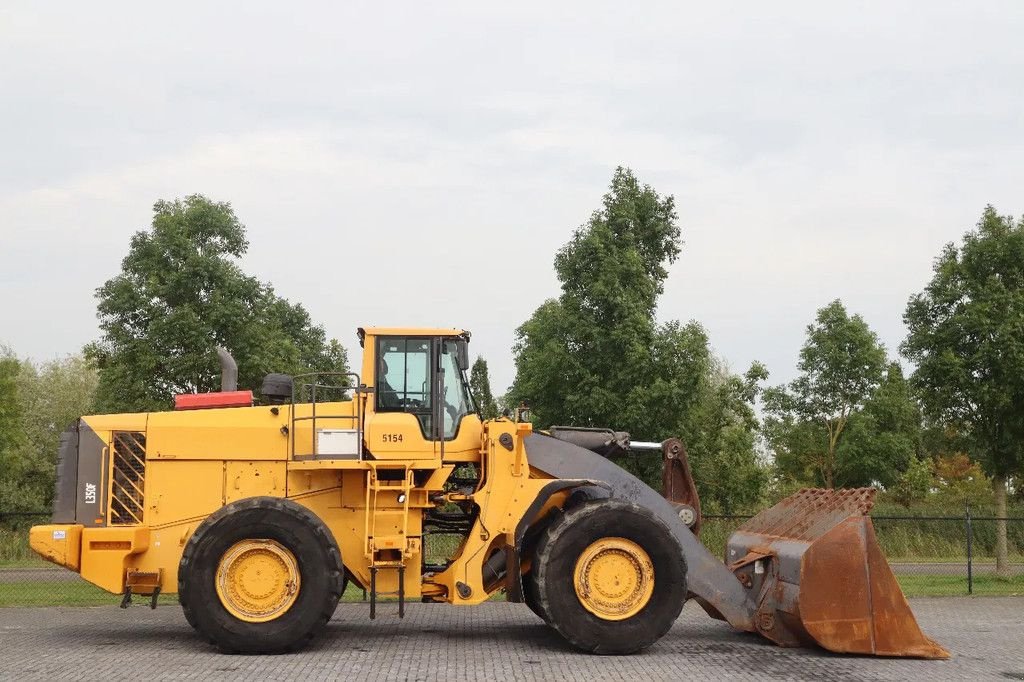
(407, 381)
(457, 400)
(403, 378)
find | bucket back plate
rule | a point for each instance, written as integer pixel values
(820, 577)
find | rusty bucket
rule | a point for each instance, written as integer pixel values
(819, 577)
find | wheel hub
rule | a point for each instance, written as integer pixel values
(257, 580)
(614, 578)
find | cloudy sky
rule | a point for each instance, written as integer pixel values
(443, 152)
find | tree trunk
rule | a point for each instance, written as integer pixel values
(1002, 561)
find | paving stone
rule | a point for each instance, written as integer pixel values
(494, 641)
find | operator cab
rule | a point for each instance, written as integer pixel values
(421, 404)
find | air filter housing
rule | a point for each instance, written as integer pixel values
(277, 388)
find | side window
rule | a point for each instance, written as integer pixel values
(457, 403)
(403, 378)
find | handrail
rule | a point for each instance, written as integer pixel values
(350, 382)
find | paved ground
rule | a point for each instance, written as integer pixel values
(496, 641)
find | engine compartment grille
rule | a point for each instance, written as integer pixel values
(128, 479)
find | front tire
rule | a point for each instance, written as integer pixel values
(531, 597)
(531, 594)
(610, 577)
(260, 576)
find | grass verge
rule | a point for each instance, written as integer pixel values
(81, 593)
(956, 585)
(25, 563)
(69, 593)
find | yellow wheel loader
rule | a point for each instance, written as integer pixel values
(259, 516)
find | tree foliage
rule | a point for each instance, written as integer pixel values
(596, 356)
(591, 356)
(841, 365)
(721, 431)
(966, 337)
(914, 484)
(180, 294)
(480, 386)
(959, 480)
(12, 433)
(37, 401)
(883, 439)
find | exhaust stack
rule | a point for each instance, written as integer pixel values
(228, 371)
(229, 395)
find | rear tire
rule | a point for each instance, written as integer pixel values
(660, 588)
(282, 536)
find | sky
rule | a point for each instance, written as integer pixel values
(420, 163)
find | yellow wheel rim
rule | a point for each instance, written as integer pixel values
(257, 580)
(614, 578)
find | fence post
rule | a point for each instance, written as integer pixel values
(970, 549)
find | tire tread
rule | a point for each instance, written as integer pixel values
(550, 544)
(328, 546)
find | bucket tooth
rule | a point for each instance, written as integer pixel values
(820, 577)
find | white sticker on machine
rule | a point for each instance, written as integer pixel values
(59, 534)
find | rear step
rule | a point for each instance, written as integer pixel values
(142, 583)
(394, 565)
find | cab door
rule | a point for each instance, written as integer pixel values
(459, 423)
(402, 424)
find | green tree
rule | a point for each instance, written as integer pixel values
(841, 364)
(52, 394)
(960, 480)
(883, 438)
(966, 337)
(914, 484)
(480, 386)
(179, 295)
(592, 356)
(721, 433)
(596, 356)
(795, 444)
(12, 432)
(39, 401)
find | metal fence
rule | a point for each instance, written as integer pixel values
(930, 555)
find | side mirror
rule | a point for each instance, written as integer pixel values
(462, 355)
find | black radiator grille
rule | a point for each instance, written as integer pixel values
(128, 482)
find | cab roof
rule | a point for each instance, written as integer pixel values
(410, 331)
